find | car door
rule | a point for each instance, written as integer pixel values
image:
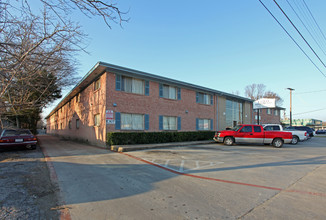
(244, 135)
(258, 135)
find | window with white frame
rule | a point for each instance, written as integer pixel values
(132, 85)
(276, 112)
(203, 98)
(97, 120)
(204, 124)
(169, 123)
(269, 111)
(169, 92)
(132, 121)
(97, 84)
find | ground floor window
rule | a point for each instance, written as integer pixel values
(77, 123)
(169, 123)
(132, 121)
(97, 120)
(204, 124)
(233, 113)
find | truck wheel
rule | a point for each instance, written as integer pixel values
(228, 141)
(277, 142)
(295, 140)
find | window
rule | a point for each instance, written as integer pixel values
(132, 121)
(97, 84)
(204, 98)
(233, 113)
(97, 120)
(246, 129)
(169, 92)
(204, 124)
(269, 111)
(132, 85)
(77, 123)
(169, 123)
(257, 129)
(276, 112)
(69, 124)
(61, 126)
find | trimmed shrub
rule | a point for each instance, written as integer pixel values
(125, 138)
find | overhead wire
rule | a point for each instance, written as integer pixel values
(292, 38)
(322, 33)
(306, 27)
(300, 34)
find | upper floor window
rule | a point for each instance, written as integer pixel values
(132, 85)
(204, 98)
(269, 111)
(276, 112)
(97, 84)
(170, 92)
(69, 125)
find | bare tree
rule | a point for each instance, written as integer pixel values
(37, 50)
(257, 91)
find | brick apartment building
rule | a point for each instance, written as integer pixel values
(268, 115)
(111, 98)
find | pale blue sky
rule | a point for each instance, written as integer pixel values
(224, 45)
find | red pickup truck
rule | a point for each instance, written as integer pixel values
(253, 134)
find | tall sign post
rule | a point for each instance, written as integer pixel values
(290, 105)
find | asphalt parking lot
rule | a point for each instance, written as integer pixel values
(209, 181)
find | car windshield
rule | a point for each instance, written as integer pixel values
(8, 133)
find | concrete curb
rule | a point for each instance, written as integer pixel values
(126, 148)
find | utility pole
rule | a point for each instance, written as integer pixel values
(290, 105)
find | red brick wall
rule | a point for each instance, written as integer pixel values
(155, 106)
(91, 103)
(268, 118)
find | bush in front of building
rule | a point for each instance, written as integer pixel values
(125, 138)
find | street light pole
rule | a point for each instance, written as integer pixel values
(290, 105)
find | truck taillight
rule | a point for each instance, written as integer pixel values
(305, 134)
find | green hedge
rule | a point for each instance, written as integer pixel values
(124, 138)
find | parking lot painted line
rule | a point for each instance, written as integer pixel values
(172, 164)
(225, 181)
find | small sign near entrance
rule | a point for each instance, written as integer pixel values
(109, 114)
(109, 117)
(110, 121)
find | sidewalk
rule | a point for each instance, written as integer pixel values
(125, 148)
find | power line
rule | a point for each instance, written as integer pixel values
(306, 28)
(300, 34)
(311, 92)
(314, 19)
(310, 111)
(292, 38)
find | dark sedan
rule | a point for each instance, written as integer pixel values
(17, 138)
